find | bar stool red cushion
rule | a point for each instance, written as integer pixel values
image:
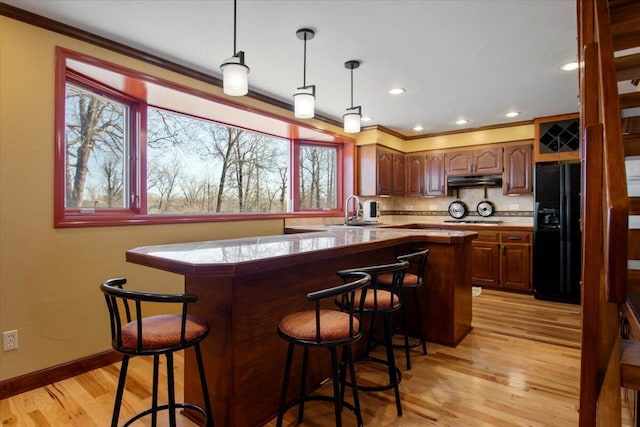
(384, 300)
(410, 280)
(334, 325)
(161, 331)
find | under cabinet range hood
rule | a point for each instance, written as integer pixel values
(474, 181)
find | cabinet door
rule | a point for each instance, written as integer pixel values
(397, 181)
(488, 160)
(517, 170)
(434, 175)
(459, 162)
(415, 175)
(516, 267)
(385, 172)
(486, 263)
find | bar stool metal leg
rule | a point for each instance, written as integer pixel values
(393, 373)
(205, 389)
(121, 381)
(171, 391)
(303, 383)
(285, 385)
(154, 393)
(337, 395)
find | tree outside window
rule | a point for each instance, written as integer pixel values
(96, 143)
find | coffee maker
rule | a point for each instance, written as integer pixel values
(371, 211)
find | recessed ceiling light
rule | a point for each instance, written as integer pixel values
(396, 91)
(462, 122)
(570, 66)
(366, 119)
(418, 128)
(512, 114)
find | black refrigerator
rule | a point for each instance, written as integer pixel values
(557, 240)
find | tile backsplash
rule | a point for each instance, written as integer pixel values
(515, 210)
(470, 196)
(512, 208)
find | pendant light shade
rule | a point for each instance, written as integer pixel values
(353, 114)
(352, 120)
(304, 98)
(304, 102)
(235, 74)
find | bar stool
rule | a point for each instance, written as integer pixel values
(329, 329)
(135, 335)
(383, 302)
(417, 262)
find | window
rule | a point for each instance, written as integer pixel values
(196, 166)
(96, 150)
(143, 152)
(317, 177)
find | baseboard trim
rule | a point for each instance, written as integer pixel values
(37, 379)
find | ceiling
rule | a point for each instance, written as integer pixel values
(472, 59)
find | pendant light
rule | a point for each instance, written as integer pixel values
(353, 114)
(305, 96)
(235, 79)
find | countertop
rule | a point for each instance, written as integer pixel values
(258, 253)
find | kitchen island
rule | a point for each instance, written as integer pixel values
(245, 286)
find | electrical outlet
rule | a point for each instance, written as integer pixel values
(433, 207)
(10, 340)
(514, 207)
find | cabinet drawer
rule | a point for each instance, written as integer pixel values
(516, 237)
(488, 236)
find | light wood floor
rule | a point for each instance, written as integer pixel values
(518, 367)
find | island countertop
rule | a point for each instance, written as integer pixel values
(245, 286)
(254, 254)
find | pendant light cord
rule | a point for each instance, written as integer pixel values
(234, 26)
(304, 66)
(352, 88)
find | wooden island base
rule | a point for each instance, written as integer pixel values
(244, 301)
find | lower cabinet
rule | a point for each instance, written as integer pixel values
(486, 259)
(502, 259)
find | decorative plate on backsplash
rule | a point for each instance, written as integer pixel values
(457, 209)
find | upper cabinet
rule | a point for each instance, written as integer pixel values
(386, 172)
(557, 138)
(414, 166)
(517, 177)
(474, 162)
(435, 177)
(381, 171)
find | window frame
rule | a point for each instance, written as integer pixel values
(137, 212)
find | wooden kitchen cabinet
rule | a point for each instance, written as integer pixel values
(474, 162)
(415, 175)
(385, 172)
(515, 267)
(435, 178)
(518, 175)
(486, 259)
(502, 259)
(380, 171)
(398, 171)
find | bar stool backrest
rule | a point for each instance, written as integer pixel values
(388, 299)
(417, 260)
(126, 306)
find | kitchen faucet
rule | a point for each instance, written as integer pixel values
(358, 212)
